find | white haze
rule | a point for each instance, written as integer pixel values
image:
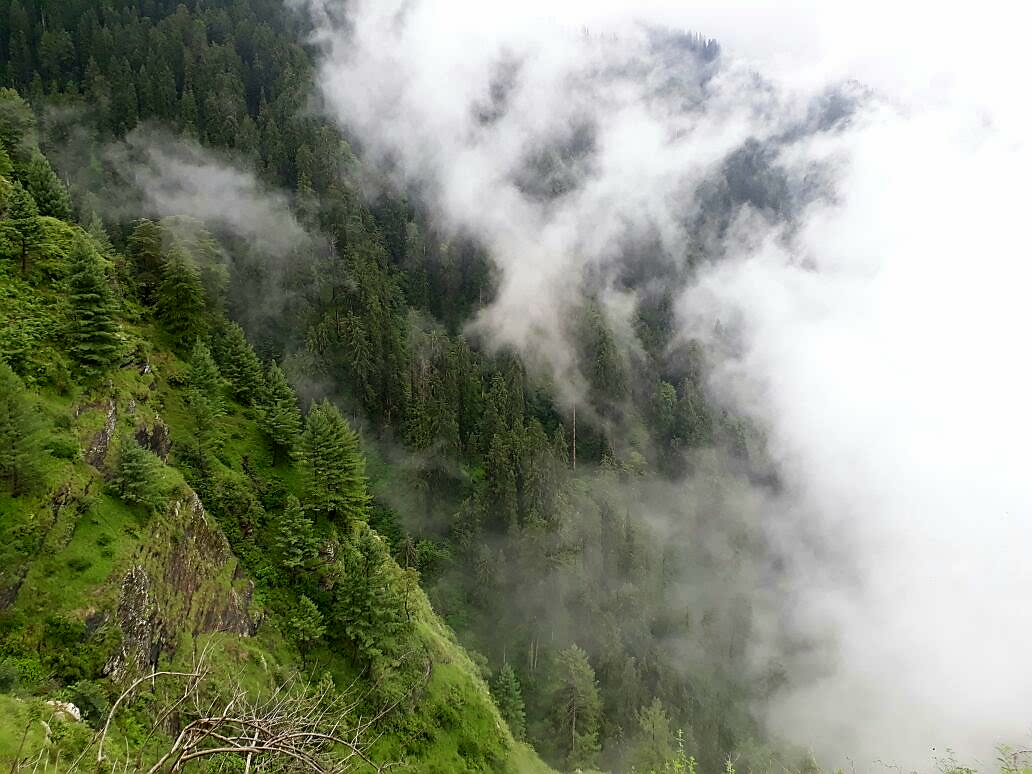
(174, 176)
(884, 341)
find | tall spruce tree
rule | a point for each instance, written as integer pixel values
(368, 608)
(205, 398)
(137, 477)
(204, 380)
(295, 538)
(6, 165)
(180, 300)
(333, 466)
(22, 222)
(21, 452)
(306, 624)
(145, 253)
(279, 415)
(576, 708)
(505, 687)
(238, 363)
(655, 739)
(47, 189)
(94, 341)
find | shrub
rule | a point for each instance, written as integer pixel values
(8, 677)
(63, 447)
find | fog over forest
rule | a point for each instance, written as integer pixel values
(601, 386)
(872, 294)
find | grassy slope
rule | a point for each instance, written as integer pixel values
(72, 545)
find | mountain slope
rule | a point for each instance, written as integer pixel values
(107, 572)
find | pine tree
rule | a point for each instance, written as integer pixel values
(367, 608)
(22, 218)
(279, 415)
(144, 249)
(17, 125)
(21, 452)
(500, 478)
(205, 398)
(239, 364)
(6, 165)
(576, 707)
(93, 335)
(137, 477)
(204, 380)
(306, 624)
(180, 301)
(655, 743)
(294, 537)
(333, 466)
(47, 190)
(505, 687)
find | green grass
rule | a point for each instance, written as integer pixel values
(72, 543)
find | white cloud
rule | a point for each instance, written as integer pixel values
(884, 339)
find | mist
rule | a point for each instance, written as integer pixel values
(879, 321)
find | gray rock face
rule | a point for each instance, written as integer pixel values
(184, 579)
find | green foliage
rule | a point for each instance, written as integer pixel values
(576, 708)
(17, 125)
(180, 300)
(22, 224)
(21, 430)
(239, 364)
(295, 538)
(306, 624)
(333, 466)
(47, 190)
(205, 382)
(655, 740)
(94, 342)
(144, 249)
(91, 699)
(368, 609)
(138, 478)
(505, 687)
(279, 415)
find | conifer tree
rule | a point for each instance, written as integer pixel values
(505, 687)
(99, 234)
(239, 364)
(294, 537)
(367, 607)
(93, 335)
(576, 707)
(279, 415)
(17, 125)
(6, 165)
(48, 191)
(22, 222)
(205, 398)
(204, 380)
(333, 466)
(144, 249)
(500, 477)
(137, 477)
(21, 452)
(306, 624)
(655, 743)
(180, 300)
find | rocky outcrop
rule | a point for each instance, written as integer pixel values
(156, 438)
(185, 580)
(101, 441)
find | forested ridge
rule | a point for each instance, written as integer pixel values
(348, 436)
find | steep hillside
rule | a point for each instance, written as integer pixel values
(155, 506)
